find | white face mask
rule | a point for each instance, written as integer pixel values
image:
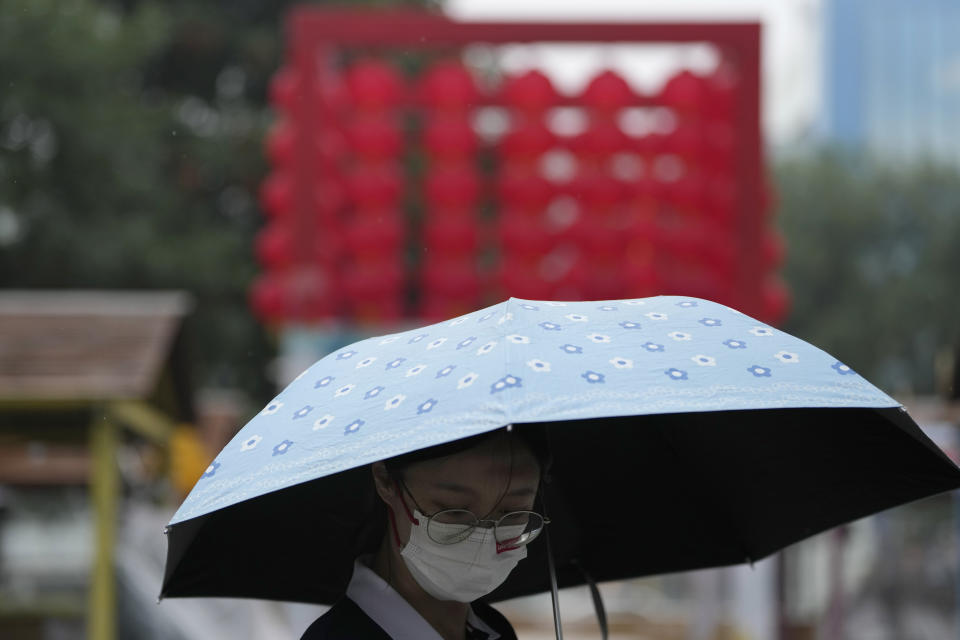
(463, 571)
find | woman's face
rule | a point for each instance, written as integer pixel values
(494, 478)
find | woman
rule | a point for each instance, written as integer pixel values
(459, 517)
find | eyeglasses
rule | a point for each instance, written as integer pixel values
(450, 526)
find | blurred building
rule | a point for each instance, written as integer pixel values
(892, 77)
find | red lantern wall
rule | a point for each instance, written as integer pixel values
(387, 200)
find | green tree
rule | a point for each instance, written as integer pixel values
(873, 263)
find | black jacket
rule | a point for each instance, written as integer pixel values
(346, 621)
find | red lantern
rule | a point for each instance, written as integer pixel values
(273, 247)
(330, 197)
(451, 236)
(450, 139)
(722, 88)
(448, 86)
(364, 282)
(529, 140)
(603, 139)
(375, 138)
(374, 85)
(446, 279)
(773, 249)
(375, 187)
(455, 187)
(310, 294)
(528, 192)
(281, 144)
(531, 92)
(520, 281)
(521, 235)
(607, 92)
(276, 194)
(284, 89)
(374, 237)
(331, 146)
(267, 298)
(685, 92)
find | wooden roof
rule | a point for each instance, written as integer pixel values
(81, 345)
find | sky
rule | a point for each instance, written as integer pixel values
(792, 76)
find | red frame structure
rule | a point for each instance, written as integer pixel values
(314, 33)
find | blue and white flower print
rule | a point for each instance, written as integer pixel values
(250, 443)
(396, 362)
(518, 362)
(366, 362)
(467, 380)
(487, 348)
(282, 447)
(447, 370)
(760, 372)
(506, 382)
(271, 408)
(426, 406)
(344, 390)
(541, 366)
(322, 423)
(303, 412)
(593, 377)
(373, 392)
(842, 369)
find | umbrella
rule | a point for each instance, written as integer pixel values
(684, 435)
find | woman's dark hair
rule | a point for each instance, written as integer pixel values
(533, 436)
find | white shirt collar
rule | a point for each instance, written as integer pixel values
(395, 615)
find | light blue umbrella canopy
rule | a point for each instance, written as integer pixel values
(517, 362)
(520, 361)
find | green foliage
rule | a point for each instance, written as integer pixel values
(111, 178)
(873, 263)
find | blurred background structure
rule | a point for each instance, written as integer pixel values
(137, 144)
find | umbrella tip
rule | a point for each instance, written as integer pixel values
(166, 530)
